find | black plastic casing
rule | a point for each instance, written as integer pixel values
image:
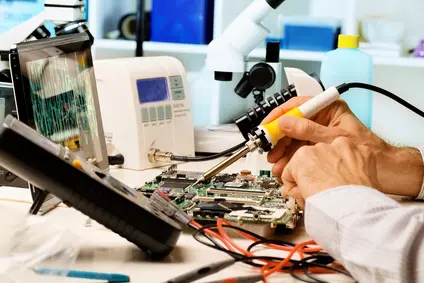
(132, 218)
(254, 116)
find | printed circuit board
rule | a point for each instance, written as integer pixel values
(241, 198)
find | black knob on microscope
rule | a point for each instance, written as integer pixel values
(262, 76)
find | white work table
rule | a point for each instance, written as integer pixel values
(105, 251)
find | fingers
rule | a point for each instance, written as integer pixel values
(279, 150)
(291, 191)
(288, 178)
(307, 130)
(279, 166)
(286, 107)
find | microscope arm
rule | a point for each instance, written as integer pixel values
(20, 32)
(228, 53)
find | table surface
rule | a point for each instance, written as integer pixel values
(105, 251)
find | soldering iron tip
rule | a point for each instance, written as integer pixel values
(201, 179)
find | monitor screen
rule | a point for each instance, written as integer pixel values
(59, 95)
(152, 90)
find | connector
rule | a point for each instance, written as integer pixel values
(162, 203)
(155, 155)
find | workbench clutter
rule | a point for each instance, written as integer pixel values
(30, 243)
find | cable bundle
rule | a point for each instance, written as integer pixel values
(313, 260)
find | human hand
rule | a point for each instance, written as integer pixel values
(400, 170)
(314, 169)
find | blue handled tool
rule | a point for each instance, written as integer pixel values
(109, 277)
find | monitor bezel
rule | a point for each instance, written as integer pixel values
(68, 43)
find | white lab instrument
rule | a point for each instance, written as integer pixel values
(57, 11)
(63, 11)
(145, 104)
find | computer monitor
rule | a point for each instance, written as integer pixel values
(56, 94)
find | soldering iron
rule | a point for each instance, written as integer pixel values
(266, 136)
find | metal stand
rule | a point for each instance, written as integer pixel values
(139, 37)
(43, 201)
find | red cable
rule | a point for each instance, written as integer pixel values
(271, 266)
(213, 234)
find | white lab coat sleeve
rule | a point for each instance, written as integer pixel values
(421, 194)
(373, 236)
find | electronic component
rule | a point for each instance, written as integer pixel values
(85, 187)
(235, 185)
(254, 201)
(55, 93)
(151, 95)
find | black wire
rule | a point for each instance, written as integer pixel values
(207, 158)
(234, 254)
(269, 241)
(304, 264)
(345, 87)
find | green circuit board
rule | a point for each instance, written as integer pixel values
(239, 198)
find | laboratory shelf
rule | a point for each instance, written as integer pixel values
(194, 49)
(150, 46)
(290, 55)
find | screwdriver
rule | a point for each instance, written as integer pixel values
(202, 272)
(267, 136)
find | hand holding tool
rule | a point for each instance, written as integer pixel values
(266, 136)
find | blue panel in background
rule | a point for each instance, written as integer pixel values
(182, 21)
(152, 90)
(310, 38)
(14, 12)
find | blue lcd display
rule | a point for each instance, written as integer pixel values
(152, 90)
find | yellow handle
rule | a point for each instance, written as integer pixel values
(274, 131)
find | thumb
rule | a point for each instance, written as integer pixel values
(306, 130)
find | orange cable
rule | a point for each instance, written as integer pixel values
(213, 234)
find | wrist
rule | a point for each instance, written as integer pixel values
(400, 171)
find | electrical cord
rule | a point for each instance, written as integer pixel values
(316, 262)
(207, 158)
(345, 87)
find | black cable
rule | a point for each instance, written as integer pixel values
(230, 253)
(306, 263)
(345, 87)
(319, 259)
(207, 158)
(269, 241)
